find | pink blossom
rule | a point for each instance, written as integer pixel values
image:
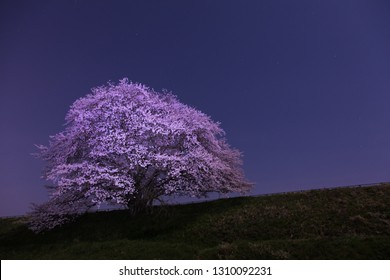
(127, 144)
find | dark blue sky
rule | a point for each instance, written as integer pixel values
(301, 87)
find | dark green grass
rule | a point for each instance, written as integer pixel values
(341, 223)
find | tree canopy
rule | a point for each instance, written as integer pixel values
(127, 144)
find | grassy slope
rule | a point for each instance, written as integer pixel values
(343, 223)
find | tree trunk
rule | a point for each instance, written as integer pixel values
(138, 206)
(142, 201)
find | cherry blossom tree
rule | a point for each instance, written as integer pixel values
(129, 145)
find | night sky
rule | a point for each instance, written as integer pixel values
(302, 88)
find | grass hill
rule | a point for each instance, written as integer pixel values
(340, 223)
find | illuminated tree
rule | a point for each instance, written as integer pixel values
(127, 144)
